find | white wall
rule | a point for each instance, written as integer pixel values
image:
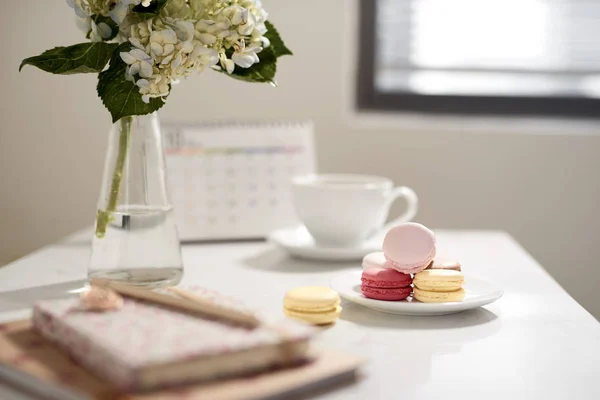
(542, 187)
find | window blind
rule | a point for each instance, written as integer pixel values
(540, 48)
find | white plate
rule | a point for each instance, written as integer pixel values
(479, 293)
(299, 243)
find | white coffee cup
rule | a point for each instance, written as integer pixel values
(343, 210)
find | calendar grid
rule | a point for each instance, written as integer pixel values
(232, 181)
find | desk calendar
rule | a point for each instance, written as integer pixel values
(232, 181)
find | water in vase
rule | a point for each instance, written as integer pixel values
(140, 247)
(135, 240)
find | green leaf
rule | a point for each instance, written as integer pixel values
(79, 58)
(263, 71)
(279, 48)
(153, 8)
(120, 96)
(114, 28)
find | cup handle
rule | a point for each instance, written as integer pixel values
(412, 206)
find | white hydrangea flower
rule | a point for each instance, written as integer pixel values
(144, 3)
(205, 57)
(84, 24)
(241, 27)
(162, 45)
(157, 87)
(183, 29)
(228, 64)
(139, 34)
(180, 9)
(99, 31)
(185, 36)
(138, 63)
(235, 14)
(79, 8)
(86, 9)
(246, 57)
(119, 13)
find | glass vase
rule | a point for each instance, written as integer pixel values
(135, 239)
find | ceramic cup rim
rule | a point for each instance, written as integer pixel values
(342, 181)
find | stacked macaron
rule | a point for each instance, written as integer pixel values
(439, 286)
(385, 284)
(409, 250)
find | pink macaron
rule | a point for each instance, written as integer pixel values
(375, 260)
(385, 284)
(409, 247)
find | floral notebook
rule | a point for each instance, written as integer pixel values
(147, 346)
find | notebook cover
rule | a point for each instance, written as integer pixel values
(119, 345)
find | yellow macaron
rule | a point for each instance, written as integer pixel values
(313, 304)
(439, 286)
(438, 280)
(426, 296)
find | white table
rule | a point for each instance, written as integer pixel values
(536, 342)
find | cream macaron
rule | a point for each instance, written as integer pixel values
(425, 296)
(438, 286)
(439, 280)
(313, 304)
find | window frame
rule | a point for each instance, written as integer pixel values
(370, 99)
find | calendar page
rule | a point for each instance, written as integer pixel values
(231, 180)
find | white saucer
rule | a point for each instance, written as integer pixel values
(479, 293)
(299, 243)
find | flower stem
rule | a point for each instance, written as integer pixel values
(104, 217)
